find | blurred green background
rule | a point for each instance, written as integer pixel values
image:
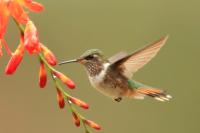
(69, 28)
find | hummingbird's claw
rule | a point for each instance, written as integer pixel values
(118, 99)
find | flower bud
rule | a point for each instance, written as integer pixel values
(42, 75)
(15, 59)
(64, 79)
(48, 55)
(60, 99)
(79, 102)
(92, 124)
(76, 119)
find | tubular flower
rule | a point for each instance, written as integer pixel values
(60, 99)
(15, 9)
(92, 124)
(31, 41)
(4, 14)
(67, 81)
(42, 75)
(76, 119)
(49, 56)
(79, 102)
(15, 59)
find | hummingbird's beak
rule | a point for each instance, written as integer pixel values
(79, 60)
(69, 61)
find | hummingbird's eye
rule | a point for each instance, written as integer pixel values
(89, 57)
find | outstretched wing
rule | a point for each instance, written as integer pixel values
(117, 57)
(131, 63)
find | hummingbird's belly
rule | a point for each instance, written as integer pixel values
(109, 90)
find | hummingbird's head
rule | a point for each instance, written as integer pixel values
(92, 60)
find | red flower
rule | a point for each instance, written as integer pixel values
(76, 119)
(31, 41)
(42, 75)
(92, 124)
(64, 79)
(49, 56)
(60, 99)
(15, 59)
(79, 102)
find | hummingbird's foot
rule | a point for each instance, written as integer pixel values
(118, 99)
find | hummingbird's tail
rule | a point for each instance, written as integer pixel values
(139, 91)
(157, 94)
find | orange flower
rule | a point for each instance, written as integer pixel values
(92, 124)
(42, 75)
(60, 99)
(79, 102)
(33, 6)
(4, 13)
(76, 119)
(64, 79)
(17, 11)
(31, 41)
(49, 56)
(15, 59)
(15, 8)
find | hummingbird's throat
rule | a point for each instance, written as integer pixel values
(94, 69)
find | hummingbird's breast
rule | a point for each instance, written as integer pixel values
(110, 82)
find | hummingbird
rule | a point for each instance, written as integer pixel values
(113, 76)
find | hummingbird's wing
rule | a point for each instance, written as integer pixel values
(133, 62)
(117, 57)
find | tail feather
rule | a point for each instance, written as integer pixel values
(157, 94)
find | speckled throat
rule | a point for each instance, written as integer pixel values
(94, 68)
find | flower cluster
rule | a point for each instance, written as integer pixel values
(29, 41)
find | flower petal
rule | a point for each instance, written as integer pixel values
(49, 56)
(79, 102)
(60, 99)
(31, 40)
(92, 124)
(18, 12)
(33, 6)
(3, 18)
(15, 59)
(64, 79)
(42, 75)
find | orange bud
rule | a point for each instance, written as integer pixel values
(76, 119)
(31, 41)
(42, 75)
(64, 79)
(33, 6)
(60, 99)
(49, 56)
(18, 12)
(92, 124)
(15, 59)
(79, 102)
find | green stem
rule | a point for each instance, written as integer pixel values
(20, 27)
